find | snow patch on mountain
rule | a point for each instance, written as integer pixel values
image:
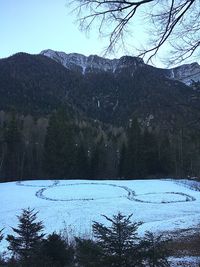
(185, 73)
(93, 63)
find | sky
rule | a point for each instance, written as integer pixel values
(35, 25)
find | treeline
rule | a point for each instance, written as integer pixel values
(157, 154)
(65, 146)
(117, 245)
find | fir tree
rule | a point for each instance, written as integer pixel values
(98, 164)
(133, 155)
(12, 138)
(82, 162)
(149, 153)
(95, 162)
(54, 251)
(166, 164)
(1, 257)
(119, 242)
(59, 155)
(122, 161)
(1, 235)
(88, 253)
(28, 236)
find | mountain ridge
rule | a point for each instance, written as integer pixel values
(84, 64)
(38, 84)
(185, 73)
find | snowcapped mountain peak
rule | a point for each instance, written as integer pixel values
(92, 63)
(77, 62)
(187, 73)
(72, 61)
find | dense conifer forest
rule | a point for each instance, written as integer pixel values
(64, 146)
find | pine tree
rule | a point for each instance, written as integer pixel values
(119, 242)
(1, 258)
(122, 161)
(1, 235)
(150, 154)
(166, 164)
(95, 162)
(133, 155)
(12, 139)
(54, 251)
(59, 155)
(28, 236)
(98, 164)
(154, 250)
(88, 253)
(82, 162)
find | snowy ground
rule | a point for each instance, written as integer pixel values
(184, 261)
(162, 205)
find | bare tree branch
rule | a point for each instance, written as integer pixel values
(176, 22)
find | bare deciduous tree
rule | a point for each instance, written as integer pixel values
(175, 22)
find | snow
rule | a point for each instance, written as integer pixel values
(172, 73)
(92, 62)
(190, 261)
(168, 197)
(185, 73)
(162, 205)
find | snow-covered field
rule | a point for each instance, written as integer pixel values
(162, 205)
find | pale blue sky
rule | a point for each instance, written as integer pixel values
(34, 25)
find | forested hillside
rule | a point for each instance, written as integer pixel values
(59, 123)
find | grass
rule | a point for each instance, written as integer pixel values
(185, 244)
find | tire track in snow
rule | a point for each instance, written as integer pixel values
(40, 193)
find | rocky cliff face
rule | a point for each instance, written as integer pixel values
(186, 73)
(95, 64)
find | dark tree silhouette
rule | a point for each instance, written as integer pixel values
(1, 234)
(59, 154)
(173, 21)
(1, 258)
(88, 253)
(155, 250)
(119, 242)
(54, 251)
(25, 242)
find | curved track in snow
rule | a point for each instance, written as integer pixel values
(41, 193)
(153, 198)
(163, 198)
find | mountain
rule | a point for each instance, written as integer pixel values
(33, 83)
(93, 63)
(77, 62)
(186, 73)
(83, 119)
(111, 91)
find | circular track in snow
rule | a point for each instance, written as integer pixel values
(163, 198)
(84, 192)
